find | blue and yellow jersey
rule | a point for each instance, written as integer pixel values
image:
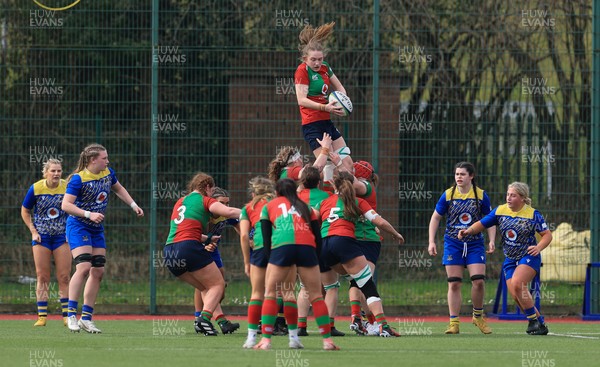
(462, 210)
(92, 191)
(518, 229)
(218, 225)
(45, 203)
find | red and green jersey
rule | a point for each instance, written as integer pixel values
(293, 173)
(252, 214)
(313, 197)
(365, 229)
(332, 216)
(190, 218)
(289, 228)
(370, 196)
(318, 89)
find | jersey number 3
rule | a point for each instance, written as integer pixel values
(180, 217)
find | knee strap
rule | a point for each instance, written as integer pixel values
(82, 258)
(363, 276)
(331, 286)
(477, 277)
(454, 279)
(98, 261)
(344, 152)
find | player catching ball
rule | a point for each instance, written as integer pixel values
(314, 80)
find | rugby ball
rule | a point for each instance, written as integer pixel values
(341, 100)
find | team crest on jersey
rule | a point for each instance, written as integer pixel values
(53, 213)
(465, 218)
(315, 77)
(511, 235)
(101, 197)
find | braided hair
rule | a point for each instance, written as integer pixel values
(89, 152)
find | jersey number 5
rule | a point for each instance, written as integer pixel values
(333, 216)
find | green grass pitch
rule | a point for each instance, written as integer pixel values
(173, 342)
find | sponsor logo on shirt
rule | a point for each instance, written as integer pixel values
(465, 218)
(101, 197)
(53, 213)
(511, 235)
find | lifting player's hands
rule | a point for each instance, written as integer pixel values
(326, 141)
(335, 108)
(432, 249)
(462, 233)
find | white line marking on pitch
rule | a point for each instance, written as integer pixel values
(575, 336)
(569, 335)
